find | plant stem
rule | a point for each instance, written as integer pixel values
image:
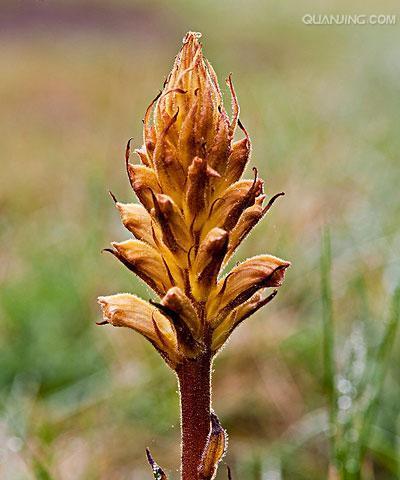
(195, 395)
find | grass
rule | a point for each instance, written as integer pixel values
(329, 341)
(353, 399)
(322, 108)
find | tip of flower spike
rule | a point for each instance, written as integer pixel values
(190, 36)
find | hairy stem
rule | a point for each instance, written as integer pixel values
(195, 395)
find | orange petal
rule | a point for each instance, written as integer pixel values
(247, 221)
(176, 301)
(200, 175)
(145, 262)
(188, 145)
(125, 310)
(217, 155)
(175, 231)
(142, 153)
(225, 211)
(208, 262)
(249, 218)
(144, 182)
(137, 220)
(237, 161)
(243, 282)
(170, 172)
(224, 329)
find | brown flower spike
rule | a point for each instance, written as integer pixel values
(195, 211)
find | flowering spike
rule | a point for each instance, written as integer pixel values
(195, 210)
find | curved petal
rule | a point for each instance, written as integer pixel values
(175, 231)
(249, 218)
(137, 220)
(208, 262)
(170, 172)
(243, 282)
(176, 301)
(236, 163)
(197, 194)
(145, 262)
(144, 183)
(223, 331)
(126, 310)
(226, 210)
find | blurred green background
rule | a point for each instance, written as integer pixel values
(322, 105)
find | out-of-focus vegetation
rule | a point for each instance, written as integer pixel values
(355, 390)
(322, 105)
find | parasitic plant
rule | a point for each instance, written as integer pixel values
(194, 212)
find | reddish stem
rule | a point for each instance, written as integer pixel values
(195, 394)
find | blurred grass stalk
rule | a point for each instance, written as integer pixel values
(348, 452)
(328, 338)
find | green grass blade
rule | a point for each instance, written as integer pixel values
(382, 360)
(40, 471)
(328, 337)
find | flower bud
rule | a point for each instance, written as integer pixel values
(214, 450)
